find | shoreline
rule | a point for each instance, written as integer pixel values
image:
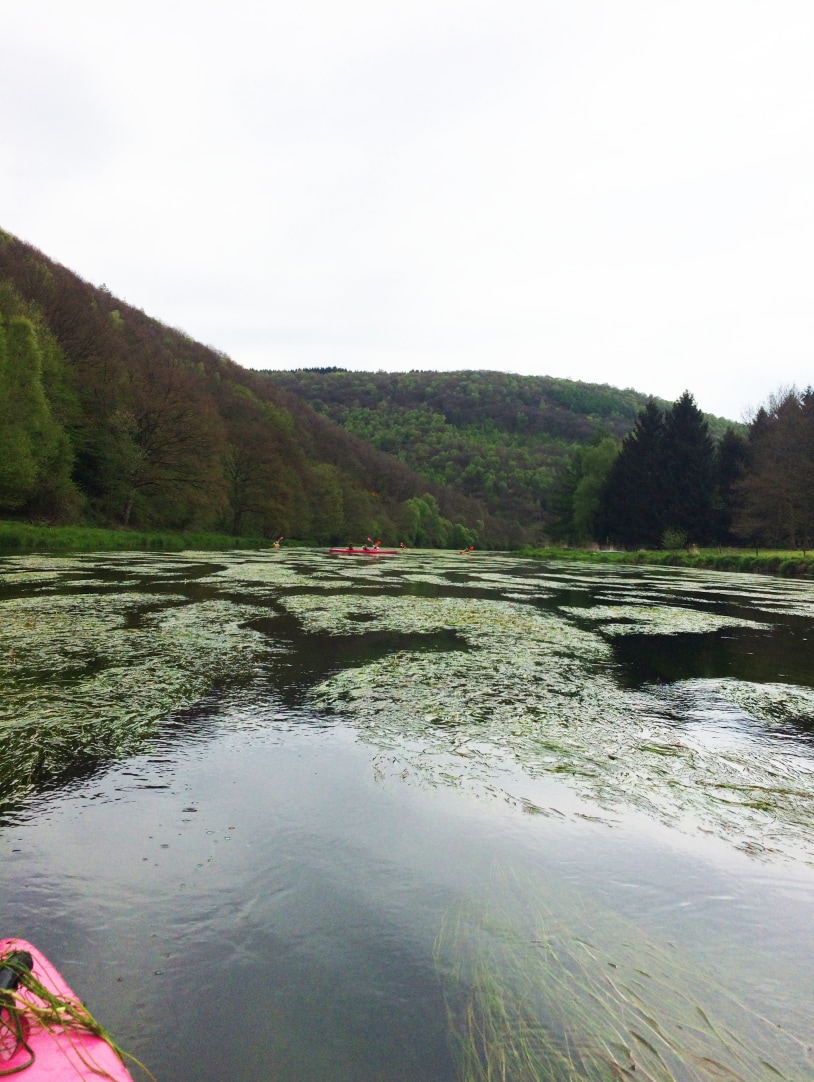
(785, 563)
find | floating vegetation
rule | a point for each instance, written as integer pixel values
(777, 704)
(32, 578)
(531, 997)
(87, 677)
(434, 580)
(525, 688)
(537, 690)
(247, 572)
(657, 619)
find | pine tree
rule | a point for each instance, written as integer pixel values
(631, 509)
(730, 464)
(688, 471)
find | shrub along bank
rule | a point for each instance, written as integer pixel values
(18, 537)
(786, 563)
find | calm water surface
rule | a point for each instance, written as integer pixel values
(285, 816)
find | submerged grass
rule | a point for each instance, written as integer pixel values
(533, 998)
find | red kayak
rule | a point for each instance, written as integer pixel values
(46, 1034)
(351, 551)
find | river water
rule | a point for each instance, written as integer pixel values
(286, 816)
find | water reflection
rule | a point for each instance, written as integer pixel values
(778, 655)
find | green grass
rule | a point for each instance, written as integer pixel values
(766, 562)
(23, 537)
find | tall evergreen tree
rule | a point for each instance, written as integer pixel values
(730, 464)
(688, 472)
(631, 510)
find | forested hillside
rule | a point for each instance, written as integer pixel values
(109, 417)
(499, 438)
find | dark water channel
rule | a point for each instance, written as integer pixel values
(284, 817)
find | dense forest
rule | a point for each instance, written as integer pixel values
(111, 418)
(108, 417)
(670, 484)
(505, 440)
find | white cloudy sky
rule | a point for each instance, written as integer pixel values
(619, 191)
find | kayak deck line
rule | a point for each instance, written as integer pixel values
(45, 1031)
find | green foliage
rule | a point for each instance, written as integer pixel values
(428, 528)
(576, 499)
(689, 471)
(776, 488)
(35, 452)
(117, 419)
(327, 505)
(663, 481)
(790, 564)
(25, 537)
(129, 422)
(500, 439)
(497, 438)
(632, 508)
(674, 539)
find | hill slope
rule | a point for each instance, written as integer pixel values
(498, 438)
(108, 416)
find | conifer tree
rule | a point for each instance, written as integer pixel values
(730, 465)
(688, 472)
(631, 508)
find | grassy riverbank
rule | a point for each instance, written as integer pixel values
(769, 562)
(23, 537)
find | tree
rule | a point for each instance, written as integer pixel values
(327, 509)
(688, 472)
(257, 464)
(777, 490)
(164, 442)
(35, 453)
(428, 529)
(631, 509)
(576, 498)
(731, 456)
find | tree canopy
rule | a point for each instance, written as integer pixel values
(110, 417)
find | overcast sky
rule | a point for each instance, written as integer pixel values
(618, 191)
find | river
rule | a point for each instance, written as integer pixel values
(285, 816)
